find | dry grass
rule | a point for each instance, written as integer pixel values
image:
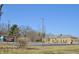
(70, 49)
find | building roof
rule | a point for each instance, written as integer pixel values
(61, 36)
(1, 33)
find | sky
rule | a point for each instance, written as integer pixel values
(58, 18)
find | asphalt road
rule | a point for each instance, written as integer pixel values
(41, 44)
(51, 44)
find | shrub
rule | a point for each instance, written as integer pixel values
(23, 42)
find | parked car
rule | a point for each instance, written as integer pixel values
(6, 38)
(9, 39)
(2, 38)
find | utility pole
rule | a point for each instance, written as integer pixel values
(1, 11)
(43, 30)
(8, 26)
(1, 5)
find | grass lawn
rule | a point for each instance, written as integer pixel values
(70, 49)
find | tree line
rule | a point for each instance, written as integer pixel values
(21, 31)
